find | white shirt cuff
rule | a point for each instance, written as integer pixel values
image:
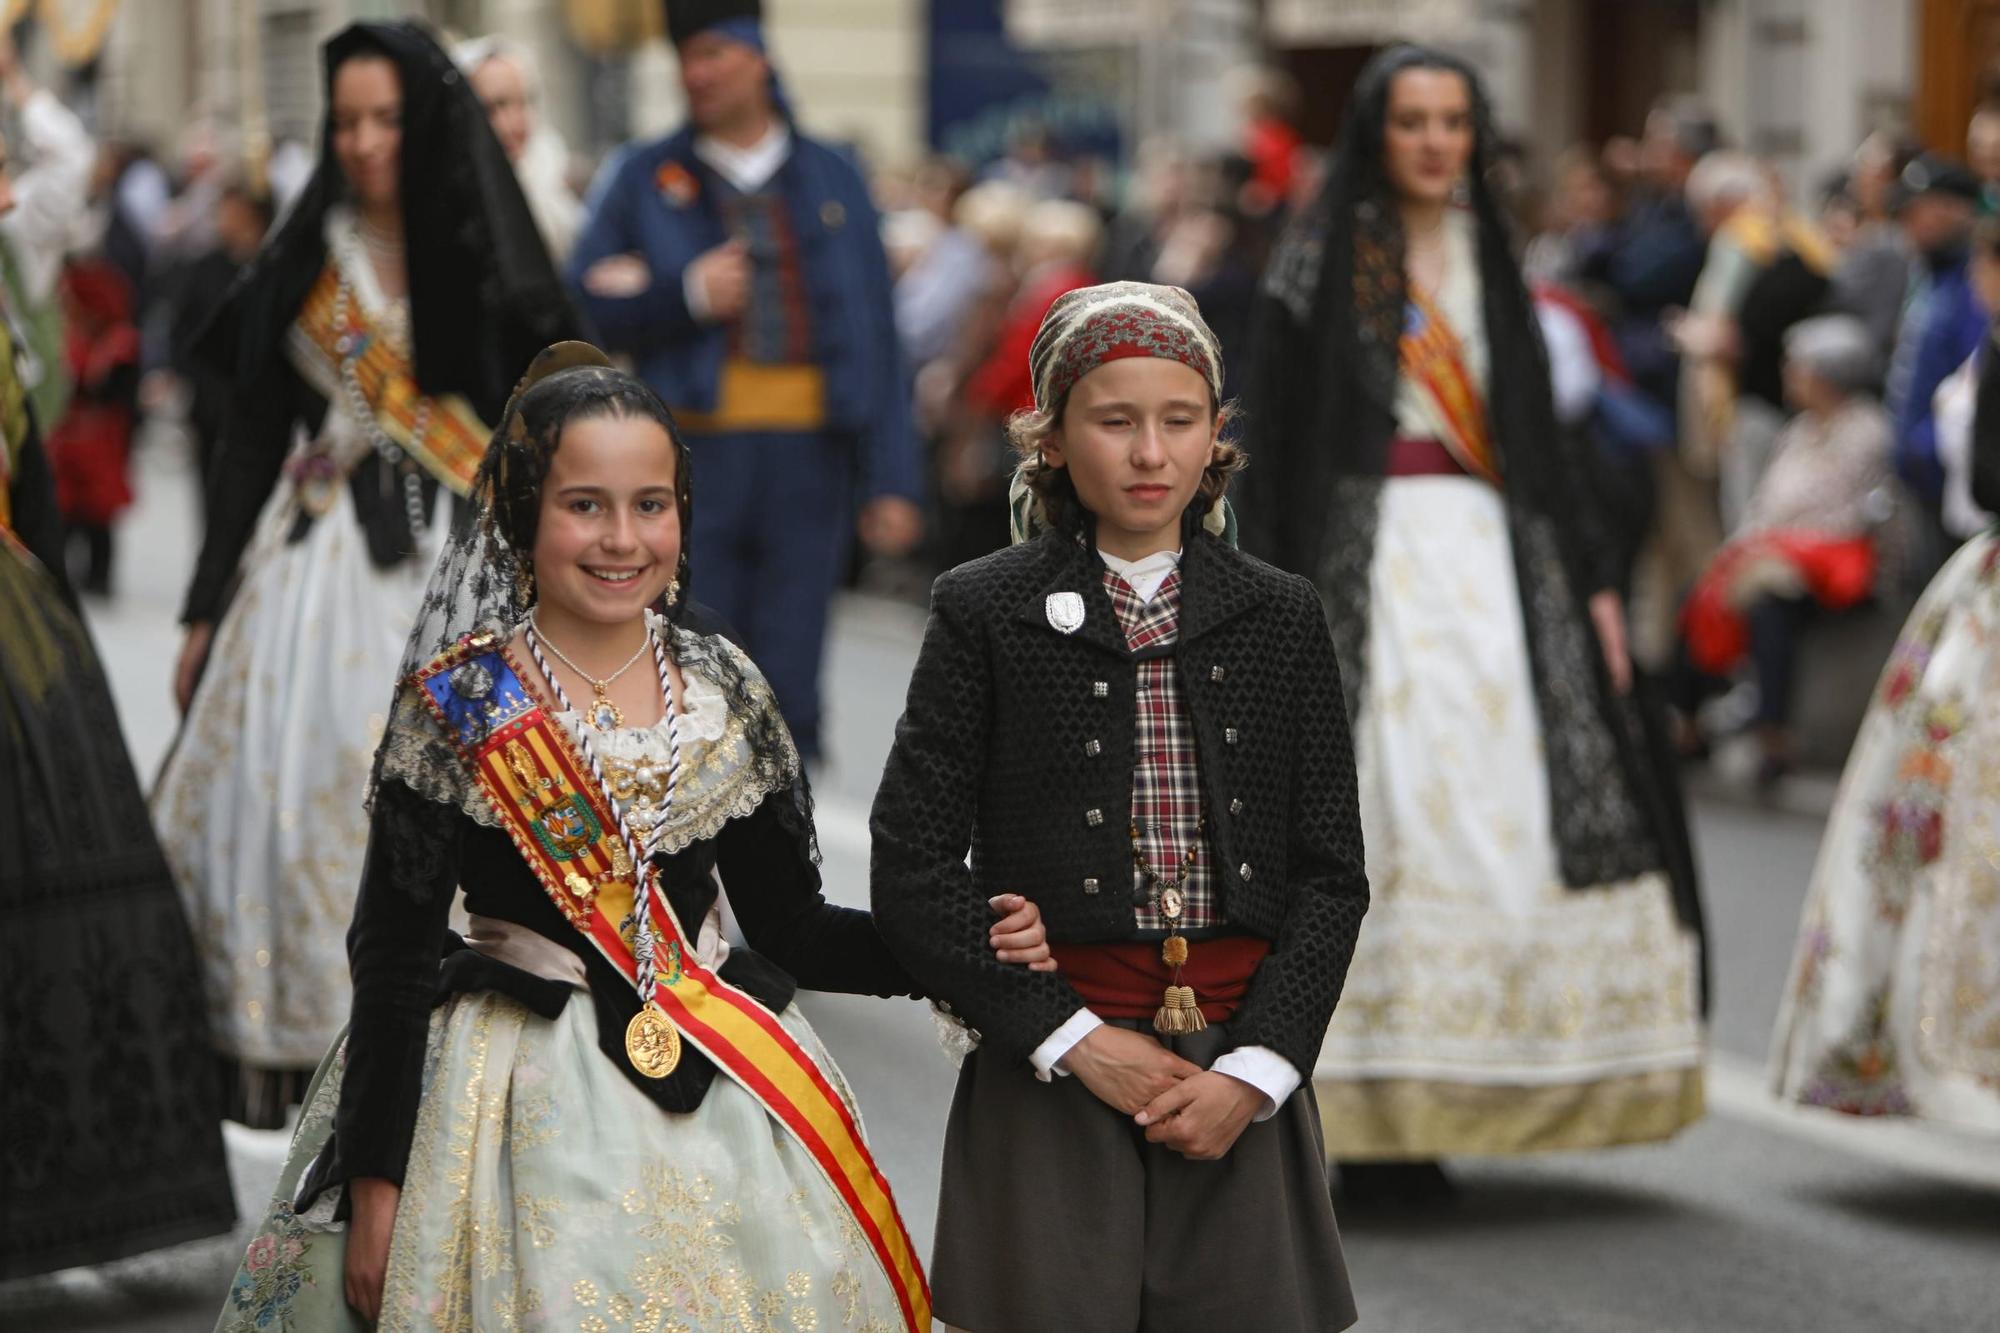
(695, 296)
(1047, 1056)
(1263, 1069)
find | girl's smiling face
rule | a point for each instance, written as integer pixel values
(1136, 435)
(608, 537)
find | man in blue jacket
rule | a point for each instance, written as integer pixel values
(1942, 322)
(739, 264)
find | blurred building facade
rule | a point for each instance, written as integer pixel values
(1797, 81)
(855, 67)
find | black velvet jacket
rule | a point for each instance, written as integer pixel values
(420, 849)
(1017, 742)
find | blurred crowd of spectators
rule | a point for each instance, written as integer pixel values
(979, 255)
(1769, 386)
(1758, 364)
(1755, 360)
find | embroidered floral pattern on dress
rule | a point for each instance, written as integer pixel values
(1893, 1006)
(1863, 1075)
(274, 1271)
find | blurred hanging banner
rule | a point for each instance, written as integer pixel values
(1365, 22)
(608, 27)
(1045, 24)
(76, 29)
(986, 83)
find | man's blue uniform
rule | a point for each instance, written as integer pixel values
(796, 412)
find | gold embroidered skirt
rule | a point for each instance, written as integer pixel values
(1491, 1008)
(259, 807)
(544, 1190)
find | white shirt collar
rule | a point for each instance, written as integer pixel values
(1144, 575)
(751, 168)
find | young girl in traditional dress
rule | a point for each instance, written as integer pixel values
(1146, 725)
(596, 1110)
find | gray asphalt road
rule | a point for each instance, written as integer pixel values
(1759, 1220)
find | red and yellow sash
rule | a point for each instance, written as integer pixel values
(1435, 362)
(538, 784)
(453, 439)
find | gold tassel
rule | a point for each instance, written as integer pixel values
(1180, 1014)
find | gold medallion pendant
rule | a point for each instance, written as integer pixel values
(652, 1043)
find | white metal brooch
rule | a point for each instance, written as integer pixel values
(1065, 610)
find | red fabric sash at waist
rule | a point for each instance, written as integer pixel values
(1422, 458)
(1127, 979)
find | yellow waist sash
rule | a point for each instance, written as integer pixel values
(755, 396)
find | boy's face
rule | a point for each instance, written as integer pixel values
(1136, 436)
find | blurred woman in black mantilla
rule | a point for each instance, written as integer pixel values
(1530, 974)
(113, 1138)
(378, 331)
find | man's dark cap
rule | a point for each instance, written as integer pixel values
(1934, 173)
(686, 18)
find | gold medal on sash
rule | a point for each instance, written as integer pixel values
(652, 1043)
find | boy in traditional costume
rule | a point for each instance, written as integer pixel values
(1145, 727)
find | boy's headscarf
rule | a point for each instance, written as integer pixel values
(1090, 326)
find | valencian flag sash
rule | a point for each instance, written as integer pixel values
(1435, 362)
(452, 440)
(540, 786)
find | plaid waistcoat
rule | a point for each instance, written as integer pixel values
(1166, 772)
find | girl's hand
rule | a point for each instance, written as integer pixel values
(1018, 936)
(372, 1221)
(194, 656)
(1608, 616)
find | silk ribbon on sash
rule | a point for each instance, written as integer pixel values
(453, 440)
(1435, 363)
(539, 785)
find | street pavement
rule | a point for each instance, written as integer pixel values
(1763, 1218)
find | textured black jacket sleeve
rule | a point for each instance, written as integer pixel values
(241, 479)
(774, 889)
(1292, 996)
(393, 948)
(926, 904)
